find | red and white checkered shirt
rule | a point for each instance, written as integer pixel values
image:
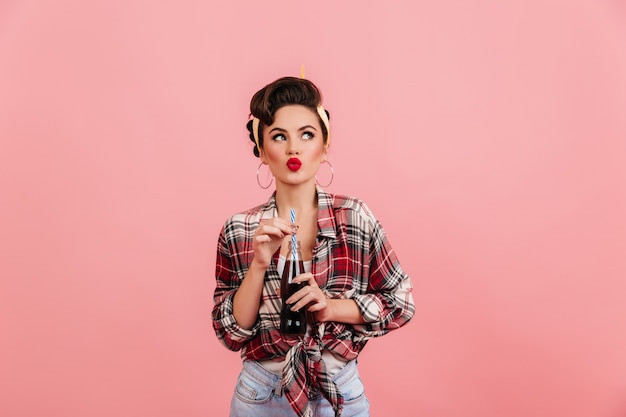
(351, 259)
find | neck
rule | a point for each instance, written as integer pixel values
(301, 198)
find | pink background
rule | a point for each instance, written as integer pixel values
(487, 136)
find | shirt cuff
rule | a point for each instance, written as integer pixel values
(370, 306)
(236, 332)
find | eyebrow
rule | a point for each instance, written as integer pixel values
(280, 129)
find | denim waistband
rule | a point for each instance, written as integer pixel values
(262, 374)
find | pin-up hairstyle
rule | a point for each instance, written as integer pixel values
(284, 92)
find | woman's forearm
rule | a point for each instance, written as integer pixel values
(343, 311)
(248, 296)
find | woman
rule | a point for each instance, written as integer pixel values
(356, 288)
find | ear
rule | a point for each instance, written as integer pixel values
(262, 156)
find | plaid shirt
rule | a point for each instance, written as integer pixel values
(351, 259)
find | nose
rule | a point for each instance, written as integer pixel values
(293, 147)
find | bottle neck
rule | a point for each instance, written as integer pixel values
(293, 260)
(294, 254)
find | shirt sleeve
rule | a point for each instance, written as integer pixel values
(388, 302)
(226, 328)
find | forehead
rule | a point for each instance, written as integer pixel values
(295, 116)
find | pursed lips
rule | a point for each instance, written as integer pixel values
(294, 164)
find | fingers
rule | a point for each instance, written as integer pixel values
(270, 231)
(284, 225)
(269, 236)
(275, 227)
(262, 239)
(313, 300)
(306, 277)
(310, 295)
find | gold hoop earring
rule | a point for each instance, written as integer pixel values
(332, 176)
(258, 180)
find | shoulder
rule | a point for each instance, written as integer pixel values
(352, 206)
(251, 213)
(245, 220)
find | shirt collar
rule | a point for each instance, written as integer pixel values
(325, 214)
(268, 210)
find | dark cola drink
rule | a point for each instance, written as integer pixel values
(292, 323)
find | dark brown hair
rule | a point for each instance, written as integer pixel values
(284, 91)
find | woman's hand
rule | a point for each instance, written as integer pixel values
(324, 309)
(311, 297)
(268, 238)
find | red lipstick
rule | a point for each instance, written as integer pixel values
(294, 164)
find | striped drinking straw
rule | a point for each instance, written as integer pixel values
(294, 245)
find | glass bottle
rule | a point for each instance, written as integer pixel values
(292, 322)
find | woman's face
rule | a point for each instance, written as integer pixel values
(293, 146)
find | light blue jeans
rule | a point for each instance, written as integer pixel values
(258, 393)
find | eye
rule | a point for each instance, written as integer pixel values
(278, 137)
(308, 135)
